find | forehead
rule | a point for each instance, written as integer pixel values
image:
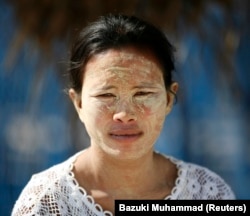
(123, 62)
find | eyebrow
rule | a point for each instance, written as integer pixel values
(108, 87)
(147, 85)
(141, 86)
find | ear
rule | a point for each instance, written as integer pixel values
(171, 96)
(76, 99)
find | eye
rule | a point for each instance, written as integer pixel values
(106, 95)
(143, 93)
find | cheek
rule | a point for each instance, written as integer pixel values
(159, 123)
(154, 111)
(93, 111)
(152, 106)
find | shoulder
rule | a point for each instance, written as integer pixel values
(44, 189)
(54, 175)
(198, 182)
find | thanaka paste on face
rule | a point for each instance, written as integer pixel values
(120, 72)
(123, 73)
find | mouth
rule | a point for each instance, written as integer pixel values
(125, 135)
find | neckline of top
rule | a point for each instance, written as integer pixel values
(90, 201)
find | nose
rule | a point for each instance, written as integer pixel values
(124, 117)
(125, 113)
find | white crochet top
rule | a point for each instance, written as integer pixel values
(55, 191)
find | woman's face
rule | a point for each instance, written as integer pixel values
(123, 102)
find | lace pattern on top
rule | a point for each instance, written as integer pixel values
(90, 202)
(56, 191)
(195, 182)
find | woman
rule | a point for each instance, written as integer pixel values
(122, 89)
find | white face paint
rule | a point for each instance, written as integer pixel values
(123, 102)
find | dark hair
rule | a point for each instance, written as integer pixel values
(116, 31)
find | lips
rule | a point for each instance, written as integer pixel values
(125, 134)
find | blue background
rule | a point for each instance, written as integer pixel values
(209, 124)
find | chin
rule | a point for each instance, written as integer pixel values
(127, 154)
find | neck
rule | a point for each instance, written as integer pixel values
(123, 177)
